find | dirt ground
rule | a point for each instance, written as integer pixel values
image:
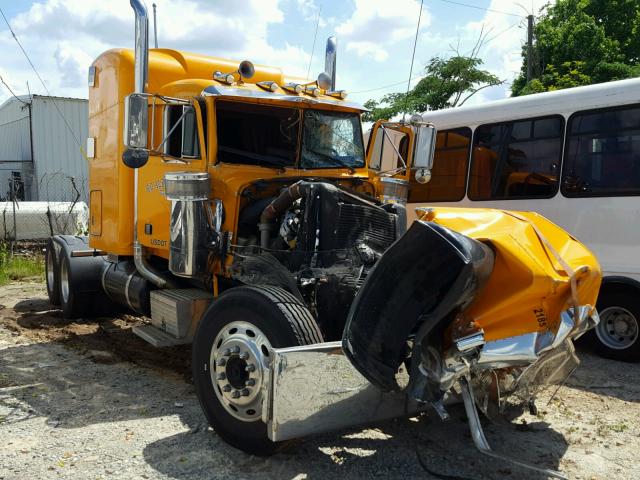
(89, 400)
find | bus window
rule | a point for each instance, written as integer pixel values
(518, 159)
(449, 173)
(603, 154)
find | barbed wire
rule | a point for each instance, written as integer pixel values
(34, 208)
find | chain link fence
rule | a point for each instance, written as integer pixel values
(34, 208)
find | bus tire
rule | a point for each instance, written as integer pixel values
(229, 355)
(52, 271)
(617, 336)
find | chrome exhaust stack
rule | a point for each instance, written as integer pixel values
(141, 46)
(330, 61)
(141, 74)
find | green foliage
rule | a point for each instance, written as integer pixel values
(567, 75)
(447, 82)
(14, 268)
(580, 42)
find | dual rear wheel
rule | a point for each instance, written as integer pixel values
(74, 283)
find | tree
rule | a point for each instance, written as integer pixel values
(566, 75)
(448, 82)
(579, 42)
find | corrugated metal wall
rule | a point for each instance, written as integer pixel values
(59, 138)
(15, 151)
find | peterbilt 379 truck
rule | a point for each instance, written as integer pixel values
(235, 208)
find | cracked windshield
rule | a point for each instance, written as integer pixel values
(331, 139)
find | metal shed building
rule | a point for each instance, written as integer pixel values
(41, 148)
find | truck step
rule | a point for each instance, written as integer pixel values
(177, 312)
(157, 337)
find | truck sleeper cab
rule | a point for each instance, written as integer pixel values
(235, 208)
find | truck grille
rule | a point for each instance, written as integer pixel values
(361, 223)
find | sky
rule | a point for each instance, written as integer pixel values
(375, 38)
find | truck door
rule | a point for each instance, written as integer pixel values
(388, 159)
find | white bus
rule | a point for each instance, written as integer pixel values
(571, 155)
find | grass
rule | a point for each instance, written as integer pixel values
(14, 268)
(619, 427)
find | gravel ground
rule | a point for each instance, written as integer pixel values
(88, 400)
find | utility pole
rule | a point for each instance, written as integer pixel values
(529, 48)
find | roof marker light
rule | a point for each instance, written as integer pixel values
(341, 94)
(270, 86)
(293, 87)
(310, 90)
(227, 78)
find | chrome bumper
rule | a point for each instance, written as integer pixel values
(528, 348)
(314, 389)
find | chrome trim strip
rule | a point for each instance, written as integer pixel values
(526, 349)
(224, 91)
(126, 290)
(105, 268)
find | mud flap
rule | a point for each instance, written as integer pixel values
(421, 280)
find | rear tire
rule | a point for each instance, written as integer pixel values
(80, 286)
(52, 271)
(230, 352)
(617, 336)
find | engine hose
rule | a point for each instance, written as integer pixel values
(277, 207)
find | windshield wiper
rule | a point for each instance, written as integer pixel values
(263, 159)
(331, 160)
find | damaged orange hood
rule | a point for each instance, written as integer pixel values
(540, 270)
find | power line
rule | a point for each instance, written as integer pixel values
(73, 134)
(503, 31)
(313, 48)
(481, 8)
(395, 84)
(386, 86)
(11, 91)
(413, 57)
(14, 121)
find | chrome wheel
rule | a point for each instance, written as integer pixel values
(50, 270)
(237, 363)
(64, 281)
(618, 328)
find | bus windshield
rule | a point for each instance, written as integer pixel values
(331, 139)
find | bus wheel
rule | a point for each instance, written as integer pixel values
(617, 336)
(52, 271)
(231, 352)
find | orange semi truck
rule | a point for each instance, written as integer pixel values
(234, 208)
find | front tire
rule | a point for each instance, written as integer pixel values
(231, 352)
(617, 336)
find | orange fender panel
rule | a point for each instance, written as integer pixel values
(535, 261)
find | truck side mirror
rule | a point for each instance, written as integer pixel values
(425, 144)
(136, 127)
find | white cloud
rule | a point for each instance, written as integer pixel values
(368, 49)
(505, 37)
(72, 63)
(308, 8)
(377, 23)
(62, 37)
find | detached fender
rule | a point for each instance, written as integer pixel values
(428, 273)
